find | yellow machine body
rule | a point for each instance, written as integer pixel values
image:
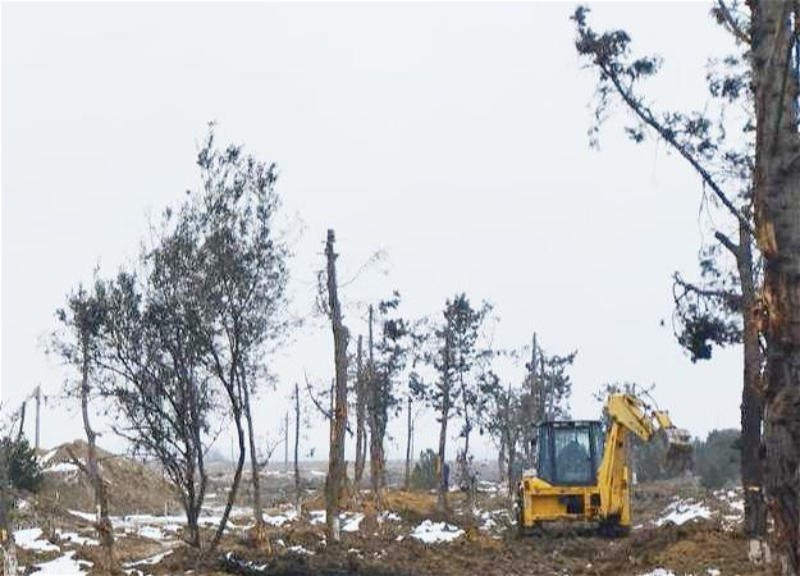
(604, 496)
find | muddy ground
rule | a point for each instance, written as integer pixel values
(679, 529)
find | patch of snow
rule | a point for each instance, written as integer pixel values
(318, 473)
(280, 519)
(352, 523)
(316, 516)
(61, 468)
(490, 518)
(713, 572)
(737, 505)
(682, 511)
(47, 457)
(63, 566)
(149, 561)
(88, 516)
(297, 549)
(387, 515)
(29, 539)
(660, 572)
(435, 532)
(150, 532)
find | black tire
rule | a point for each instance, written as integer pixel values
(611, 528)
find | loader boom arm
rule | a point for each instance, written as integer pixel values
(627, 413)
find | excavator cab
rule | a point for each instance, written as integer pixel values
(569, 453)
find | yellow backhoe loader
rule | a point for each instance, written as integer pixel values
(581, 471)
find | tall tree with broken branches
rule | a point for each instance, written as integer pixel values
(718, 143)
(454, 341)
(77, 343)
(337, 471)
(774, 34)
(361, 392)
(298, 502)
(386, 366)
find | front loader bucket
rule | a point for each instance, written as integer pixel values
(680, 451)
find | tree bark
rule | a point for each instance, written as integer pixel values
(237, 475)
(103, 525)
(360, 416)
(441, 500)
(510, 480)
(501, 459)
(258, 511)
(409, 435)
(376, 424)
(336, 460)
(376, 461)
(777, 214)
(22, 420)
(755, 508)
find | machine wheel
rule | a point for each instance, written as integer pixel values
(611, 528)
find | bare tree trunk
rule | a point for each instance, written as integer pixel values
(466, 468)
(777, 214)
(195, 503)
(237, 475)
(376, 461)
(104, 529)
(22, 419)
(336, 460)
(360, 416)
(286, 442)
(409, 435)
(258, 511)
(501, 459)
(511, 481)
(376, 412)
(297, 498)
(755, 508)
(441, 501)
(532, 406)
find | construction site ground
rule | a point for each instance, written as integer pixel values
(679, 528)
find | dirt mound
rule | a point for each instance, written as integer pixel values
(134, 487)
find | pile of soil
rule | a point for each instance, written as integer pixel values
(133, 487)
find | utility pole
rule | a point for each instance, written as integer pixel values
(38, 412)
(286, 442)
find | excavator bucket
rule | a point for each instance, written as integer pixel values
(680, 451)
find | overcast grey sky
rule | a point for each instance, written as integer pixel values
(452, 136)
